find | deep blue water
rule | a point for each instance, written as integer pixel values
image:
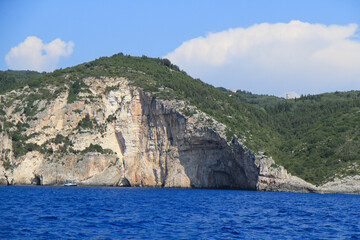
(134, 213)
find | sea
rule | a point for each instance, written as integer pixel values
(41, 212)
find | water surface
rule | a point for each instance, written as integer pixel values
(135, 213)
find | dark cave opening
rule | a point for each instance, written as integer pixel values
(36, 180)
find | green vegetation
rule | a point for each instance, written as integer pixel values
(20, 147)
(6, 161)
(109, 89)
(10, 80)
(74, 91)
(314, 137)
(86, 123)
(96, 148)
(7, 164)
(259, 101)
(320, 135)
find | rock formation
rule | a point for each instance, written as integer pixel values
(138, 140)
(348, 185)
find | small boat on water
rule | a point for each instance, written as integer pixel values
(70, 184)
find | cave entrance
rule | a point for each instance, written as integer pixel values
(36, 180)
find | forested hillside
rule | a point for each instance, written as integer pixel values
(314, 137)
(320, 133)
(12, 79)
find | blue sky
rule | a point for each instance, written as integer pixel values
(158, 28)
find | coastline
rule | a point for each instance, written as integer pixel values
(318, 191)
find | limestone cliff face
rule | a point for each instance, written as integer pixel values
(347, 185)
(115, 134)
(276, 178)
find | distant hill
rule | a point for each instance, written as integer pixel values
(11, 79)
(256, 100)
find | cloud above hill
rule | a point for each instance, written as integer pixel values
(275, 58)
(33, 54)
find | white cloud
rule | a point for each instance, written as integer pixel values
(275, 58)
(33, 54)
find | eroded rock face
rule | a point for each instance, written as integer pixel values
(348, 185)
(161, 147)
(275, 178)
(150, 143)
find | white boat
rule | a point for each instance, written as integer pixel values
(70, 184)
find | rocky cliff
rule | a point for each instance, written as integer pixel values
(115, 134)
